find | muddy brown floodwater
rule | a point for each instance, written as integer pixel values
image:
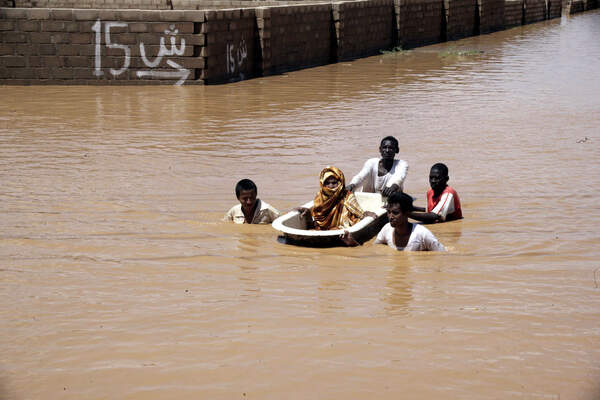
(118, 281)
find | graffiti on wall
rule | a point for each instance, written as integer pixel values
(235, 57)
(166, 49)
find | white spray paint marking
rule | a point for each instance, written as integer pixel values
(164, 51)
(236, 55)
(181, 73)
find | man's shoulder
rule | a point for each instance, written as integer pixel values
(450, 189)
(386, 227)
(235, 209)
(266, 206)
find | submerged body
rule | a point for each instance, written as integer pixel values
(420, 239)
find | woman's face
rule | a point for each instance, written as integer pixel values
(331, 182)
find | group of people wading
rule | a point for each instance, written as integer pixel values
(336, 207)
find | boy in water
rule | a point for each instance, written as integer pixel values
(400, 234)
(383, 175)
(443, 203)
(251, 210)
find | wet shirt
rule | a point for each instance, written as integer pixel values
(264, 214)
(370, 181)
(421, 239)
(446, 205)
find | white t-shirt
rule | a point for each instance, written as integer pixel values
(371, 182)
(421, 239)
(264, 214)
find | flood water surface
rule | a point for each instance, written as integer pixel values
(118, 279)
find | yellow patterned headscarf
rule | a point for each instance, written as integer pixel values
(335, 208)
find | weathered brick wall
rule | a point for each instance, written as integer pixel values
(221, 4)
(535, 11)
(100, 46)
(461, 18)
(491, 15)
(419, 22)
(7, 3)
(554, 9)
(231, 51)
(590, 4)
(574, 6)
(96, 4)
(295, 36)
(363, 27)
(513, 13)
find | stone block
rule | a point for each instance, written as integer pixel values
(67, 49)
(52, 61)
(7, 25)
(14, 13)
(14, 37)
(7, 49)
(61, 15)
(79, 61)
(12, 61)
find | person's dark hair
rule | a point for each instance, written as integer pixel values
(441, 167)
(405, 201)
(245, 184)
(391, 139)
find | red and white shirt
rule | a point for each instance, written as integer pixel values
(446, 205)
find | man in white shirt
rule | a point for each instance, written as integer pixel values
(383, 175)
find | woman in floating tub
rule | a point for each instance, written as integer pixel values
(334, 207)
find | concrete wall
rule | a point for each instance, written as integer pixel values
(363, 27)
(513, 13)
(575, 6)
(590, 4)
(294, 37)
(104, 46)
(100, 46)
(101, 4)
(491, 15)
(461, 18)
(231, 51)
(554, 9)
(535, 11)
(420, 22)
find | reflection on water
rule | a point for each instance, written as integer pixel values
(119, 280)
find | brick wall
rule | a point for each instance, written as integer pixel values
(63, 46)
(574, 6)
(491, 15)
(231, 51)
(294, 37)
(419, 22)
(363, 27)
(108, 46)
(535, 11)
(461, 18)
(590, 4)
(96, 4)
(221, 4)
(513, 13)
(554, 9)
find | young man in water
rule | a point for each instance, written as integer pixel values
(251, 209)
(443, 203)
(400, 234)
(383, 175)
